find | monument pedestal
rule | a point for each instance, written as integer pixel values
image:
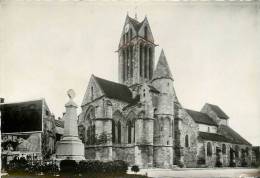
(70, 146)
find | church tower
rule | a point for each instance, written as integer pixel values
(135, 52)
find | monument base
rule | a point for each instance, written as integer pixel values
(70, 148)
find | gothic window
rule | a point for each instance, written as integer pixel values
(186, 141)
(141, 59)
(145, 62)
(247, 151)
(224, 149)
(236, 151)
(150, 63)
(208, 129)
(123, 64)
(92, 93)
(129, 131)
(131, 34)
(145, 32)
(127, 37)
(209, 149)
(127, 62)
(119, 132)
(113, 132)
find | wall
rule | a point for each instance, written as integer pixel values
(204, 128)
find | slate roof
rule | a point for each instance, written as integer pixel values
(200, 117)
(115, 90)
(137, 25)
(162, 68)
(213, 137)
(218, 111)
(232, 135)
(59, 123)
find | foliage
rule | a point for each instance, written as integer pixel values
(218, 164)
(181, 165)
(201, 161)
(68, 167)
(135, 168)
(96, 167)
(17, 166)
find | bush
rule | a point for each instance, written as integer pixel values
(135, 168)
(68, 167)
(96, 167)
(218, 164)
(17, 166)
(201, 161)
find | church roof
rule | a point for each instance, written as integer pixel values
(201, 118)
(162, 69)
(114, 90)
(218, 111)
(213, 137)
(137, 25)
(232, 135)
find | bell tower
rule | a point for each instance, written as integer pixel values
(135, 52)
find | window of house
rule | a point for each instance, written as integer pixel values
(186, 141)
(209, 149)
(208, 129)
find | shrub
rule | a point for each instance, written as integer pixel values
(68, 167)
(135, 168)
(96, 167)
(17, 166)
(201, 161)
(218, 164)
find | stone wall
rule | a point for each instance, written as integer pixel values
(190, 129)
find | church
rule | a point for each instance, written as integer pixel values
(140, 120)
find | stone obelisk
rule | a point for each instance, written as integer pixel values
(70, 146)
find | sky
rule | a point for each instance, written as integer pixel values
(212, 49)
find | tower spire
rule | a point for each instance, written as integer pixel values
(162, 69)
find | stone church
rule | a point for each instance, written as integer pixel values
(140, 120)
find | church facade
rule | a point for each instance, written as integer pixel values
(140, 120)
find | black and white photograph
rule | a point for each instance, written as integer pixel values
(130, 89)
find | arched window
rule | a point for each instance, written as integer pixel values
(145, 32)
(131, 34)
(236, 151)
(119, 132)
(224, 149)
(145, 61)
(92, 93)
(247, 151)
(209, 149)
(186, 141)
(141, 59)
(113, 132)
(129, 131)
(127, 37)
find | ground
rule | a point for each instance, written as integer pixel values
(202, 173)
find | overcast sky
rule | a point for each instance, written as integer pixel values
(212, 49)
